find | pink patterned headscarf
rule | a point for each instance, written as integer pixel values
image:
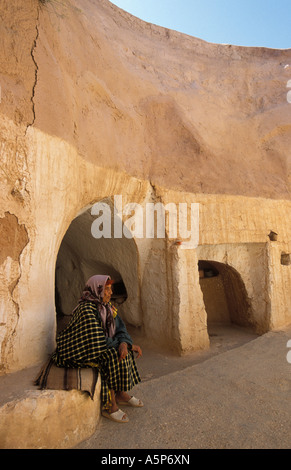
(94, 291)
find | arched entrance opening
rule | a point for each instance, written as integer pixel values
(81, 256)
(225, 297)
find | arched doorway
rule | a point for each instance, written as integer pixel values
(224, 294)
(81, 256)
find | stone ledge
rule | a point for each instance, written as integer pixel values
(46, 419)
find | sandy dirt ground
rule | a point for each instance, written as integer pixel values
(236, 395)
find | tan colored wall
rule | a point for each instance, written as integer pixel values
(186, 121)
(279, 284)
(228, 226)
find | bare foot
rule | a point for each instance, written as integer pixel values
(113, 408)
(122, 396)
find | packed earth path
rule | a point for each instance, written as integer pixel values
(236, 395)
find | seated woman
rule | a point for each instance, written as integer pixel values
(97, 337)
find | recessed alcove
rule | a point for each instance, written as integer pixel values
(224, 294)
(285, 259)
(81, 256)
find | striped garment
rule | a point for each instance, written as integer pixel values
(83, 344)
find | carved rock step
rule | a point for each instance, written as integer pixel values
(44, 419)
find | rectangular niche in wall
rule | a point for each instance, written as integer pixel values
(285, 259)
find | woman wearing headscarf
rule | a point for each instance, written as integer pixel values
(97, 337)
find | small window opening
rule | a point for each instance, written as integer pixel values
(285, 259)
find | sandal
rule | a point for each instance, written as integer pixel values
(135, 402)
(117, 416)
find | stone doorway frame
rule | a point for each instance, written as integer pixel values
(80, 256)
(250, 261)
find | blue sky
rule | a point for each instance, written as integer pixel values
(263, 23)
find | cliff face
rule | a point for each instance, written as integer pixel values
(146, 100)
(96, 103)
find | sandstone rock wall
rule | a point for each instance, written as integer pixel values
(96, 103)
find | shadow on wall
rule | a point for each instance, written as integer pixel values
(224, 294)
